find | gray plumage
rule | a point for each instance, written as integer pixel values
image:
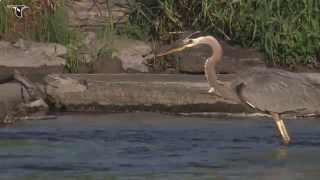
(279, 91)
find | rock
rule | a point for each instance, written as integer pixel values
(97, 56)
(234, 59)
(90, 39)
(115, 54)
(313, 76)
(49, 49)
(192, 60)
(107, 64)
(66, 84)
(131, 92)
(33, 59)
(93, 15)
(61, 87)
(131, 54)
(17, 102)
(10, 97)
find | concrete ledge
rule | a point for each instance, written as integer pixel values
(135, 92)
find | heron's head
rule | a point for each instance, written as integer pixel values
(181, 45)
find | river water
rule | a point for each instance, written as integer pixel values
(155, 146)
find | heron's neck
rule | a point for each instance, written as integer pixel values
(212, 61)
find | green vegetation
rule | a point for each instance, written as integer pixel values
(109, 38)
(41, 24)
(47, 23)
(288, 31)
(44, 23)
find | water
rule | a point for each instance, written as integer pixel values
(153, 146)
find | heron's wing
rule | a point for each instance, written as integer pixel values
(278, 91)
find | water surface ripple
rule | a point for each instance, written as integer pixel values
(155, 146)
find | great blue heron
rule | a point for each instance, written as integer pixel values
(270, 90)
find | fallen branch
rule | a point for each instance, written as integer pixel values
(33, 90)
(36, 102)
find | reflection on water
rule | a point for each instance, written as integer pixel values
(154, 146)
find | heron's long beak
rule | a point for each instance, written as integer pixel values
(180, 47)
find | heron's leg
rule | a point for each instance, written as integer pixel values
(281, 128)
(220, 82)
(213, 91)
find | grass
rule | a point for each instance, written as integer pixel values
(288, 31)
(40, 23)
(44, 24)
(81, 54)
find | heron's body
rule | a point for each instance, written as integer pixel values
(272, 91)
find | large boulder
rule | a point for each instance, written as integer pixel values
(31, 58)
(131, 92)
(130, 52)
(313, 77)
(107, 64)
(235, 58)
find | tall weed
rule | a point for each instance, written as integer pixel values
(288, 31)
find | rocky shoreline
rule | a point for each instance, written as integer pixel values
(107, 93)
(135, 92)
(124, 83)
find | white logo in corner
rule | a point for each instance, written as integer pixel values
(18, 9)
